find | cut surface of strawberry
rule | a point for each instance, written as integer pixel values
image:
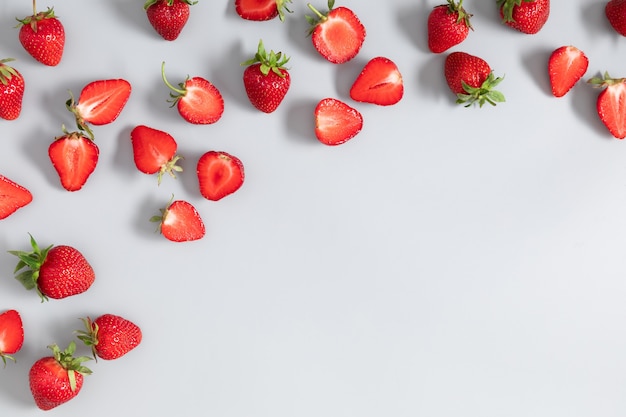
(336, 122)
(219, 174)
(101, 102)
(11, 334)
(12, 197)
(261, 10)
(566, 66)
(180, 222)
(74, 158)
(611, 103)
(154, 151)
(380, 82)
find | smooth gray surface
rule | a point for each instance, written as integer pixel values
(444, 262)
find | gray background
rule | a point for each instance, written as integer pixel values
(444, 262)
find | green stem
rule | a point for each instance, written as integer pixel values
(177, 90)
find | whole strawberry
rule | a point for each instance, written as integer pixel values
(615, 11)
(471, 79)
(110, 336)
(42, 35)
(11, 334)
(168, 17)
(448, 25)
(266, 79)
(527, 16)
(56, 379)
(12, 91)
(56, 271)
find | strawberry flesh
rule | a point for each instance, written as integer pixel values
(12, 197)
(257, 10)
(154, 151)
(611, 107)
(202, 102)
(566, 66)
(11, 334)
(336, 122)
(181, 222)
(101, 102)
(74, 158)
(339, 35)
(219, 174)
(380, 82)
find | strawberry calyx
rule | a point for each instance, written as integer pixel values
(6, 71)
(319, 17)
(507, 7)
(177, 92)
(160, 218)
(36, 17)
(81, 124)
(89, 336)
(32, 261)
(483, 94)
(271, 61)
(149, 3)
(65, 358)
(463, 16)
(605, 81)
(281, 6)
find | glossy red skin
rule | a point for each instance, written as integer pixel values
(50, 385)
(444, 31)
(615, 11)
(168, 21)
(529, 17)
(11, 95)
(469, 68)
(265, 92)
(46, 45)
(116, 336)
(65, 272)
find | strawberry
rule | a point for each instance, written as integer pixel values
(615, 11)
(471, 79)
(336, 122)
(198, 101)
(168, 17)
(180, 222)
(154, 151)
(12, 93)
(110, 336)
(56, 271)
(12, 197)
(74, 157)
(42, 35)
(266, 79)
(380, 82)
(11, 334)
(219, 174)
(611, 103)
(448, 25)
(56, 379)
(527, 16)
(337, 34)
(566, 65)
(260, 10)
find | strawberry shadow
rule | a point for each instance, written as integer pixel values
(346, 74)
(431, 81)
(536, 63)
(227, 77)
(135, 17)
(301, 121)
(413, 21)
(597, 26)
(123, 156)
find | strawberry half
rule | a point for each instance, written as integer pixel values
(219, 174)
(42, 35)
(154, 151)
(110, 336)
(180, 222)
(198, 101)
(11, 334)
(74, 157)
(566, 66)
(380, 82)
(12, 197)
(261, 10)
(611, 103)
(338, 34)
(12, 93)
(336, 122)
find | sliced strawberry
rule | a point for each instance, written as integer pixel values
(154, 151)
(219, 174)
(336, 122)
(180, 222)
(380, 82)
(566, 66)
(260, 10)
(611, 103)
(74, 157)
(11, 334)
(12, 197)
(100, 102)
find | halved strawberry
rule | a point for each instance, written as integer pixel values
(336, 122)
(611, 103)
(260, 10)
(380, 82)
(12, 197)
(154, 151)
(11, 334)
(198, 101)
(74, 157)
(180, 222)
(219, 174)
(338, 34)
(566, 65)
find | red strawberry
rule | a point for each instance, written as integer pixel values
(180, 222)
(54, 380)
(12, 91)
(219, 174)
(527, 16)
(471, 79)
(336, 122)
(74, 157)
(566, 65)
(110, 336)
(611, 103)
(42, 35)
(448, 25)
(11, 334)
(380, 82)
(615, 11)
(12, 197)
(154, 151)
(337, 34)
(56, 271)
(266, 79)
(260, 10)
(198, 101)
(168, 17)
